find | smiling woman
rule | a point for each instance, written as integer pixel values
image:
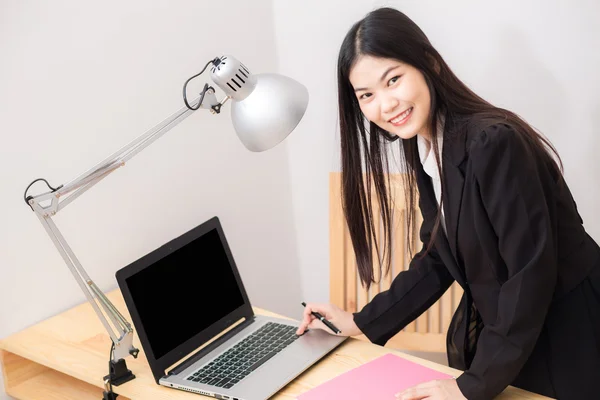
(498, 218)
(398, 101)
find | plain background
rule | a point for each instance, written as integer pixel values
(78, 80)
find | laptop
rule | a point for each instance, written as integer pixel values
(197, 327)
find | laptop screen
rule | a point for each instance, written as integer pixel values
(185, 292)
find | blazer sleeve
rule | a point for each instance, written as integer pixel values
(411, 293)
(512, 182)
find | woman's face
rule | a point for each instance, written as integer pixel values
(393, 95)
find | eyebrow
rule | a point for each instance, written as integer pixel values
(390, 69)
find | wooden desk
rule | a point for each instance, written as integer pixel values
(66, 356)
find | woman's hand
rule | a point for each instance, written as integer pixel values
(444, 389)
(343, 320)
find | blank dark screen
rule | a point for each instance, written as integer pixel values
(185, 292)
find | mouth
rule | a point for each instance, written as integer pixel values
(401, 118)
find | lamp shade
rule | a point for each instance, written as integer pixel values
(271, 111)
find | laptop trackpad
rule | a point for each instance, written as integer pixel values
(282, 368)
(273, 375)
(315, 343)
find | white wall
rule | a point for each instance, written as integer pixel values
(537, 58)
(80, 79)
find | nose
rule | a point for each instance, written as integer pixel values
(388, 104)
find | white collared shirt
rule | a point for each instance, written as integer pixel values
(427, 156)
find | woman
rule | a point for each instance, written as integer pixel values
(497, 217)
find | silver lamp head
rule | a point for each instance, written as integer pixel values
(265, 108)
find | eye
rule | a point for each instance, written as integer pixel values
(393, 80)
(364, 96)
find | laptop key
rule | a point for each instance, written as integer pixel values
(227, 386)
(261, 361)
(215, 380)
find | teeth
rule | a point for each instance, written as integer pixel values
(401, 116)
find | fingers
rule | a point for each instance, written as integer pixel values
(318, 324)
(308, 318)
(304, 325)
(414, 394)
(418, 392)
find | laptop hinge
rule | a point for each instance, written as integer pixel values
(211, 346)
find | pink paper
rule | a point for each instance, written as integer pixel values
(379, 379)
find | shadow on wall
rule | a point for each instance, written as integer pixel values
(593, 173)
(522, 84)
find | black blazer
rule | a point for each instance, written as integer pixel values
(516, 244)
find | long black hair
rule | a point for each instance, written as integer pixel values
(388, 33)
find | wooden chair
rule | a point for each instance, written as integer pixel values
(428, 332)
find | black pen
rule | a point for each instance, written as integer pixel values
(323, 320)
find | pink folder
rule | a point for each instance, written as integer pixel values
(379, 379)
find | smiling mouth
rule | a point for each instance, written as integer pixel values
(400, 118)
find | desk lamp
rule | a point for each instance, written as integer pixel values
(265, 109)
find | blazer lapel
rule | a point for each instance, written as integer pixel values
(453, 189)
(453, 155)
(441, 241)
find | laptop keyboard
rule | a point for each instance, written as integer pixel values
(246, 356)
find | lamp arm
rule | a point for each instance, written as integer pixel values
(89, 178)
(121, 332)
(123, 337)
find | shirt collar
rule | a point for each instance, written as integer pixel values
(427, 155)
